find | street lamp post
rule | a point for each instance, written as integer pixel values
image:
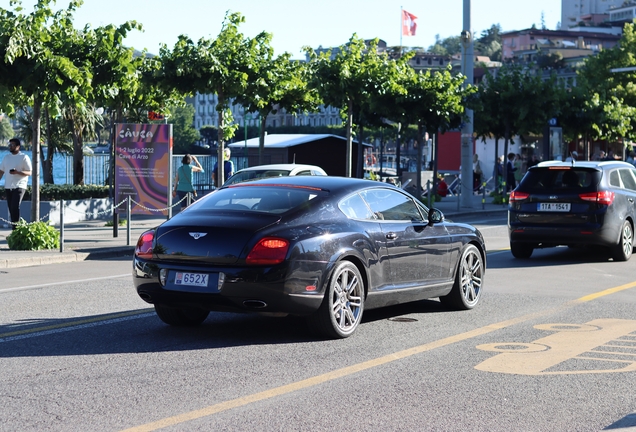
(467, 129)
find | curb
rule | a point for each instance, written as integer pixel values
(34, 258)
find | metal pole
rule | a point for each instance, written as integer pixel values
(245, 119)
(128, 221)
(61, 225)
(115, 222)
(467, 129)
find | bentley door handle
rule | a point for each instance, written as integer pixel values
(391, 236)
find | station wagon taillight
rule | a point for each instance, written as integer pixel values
(144, 245)
(518, 196)
(601, 197)
(268, 251)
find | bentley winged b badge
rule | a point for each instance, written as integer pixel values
(197, 235)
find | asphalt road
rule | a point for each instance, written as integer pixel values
(552, 347)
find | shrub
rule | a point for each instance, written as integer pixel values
(52, 192)
(33, 236)
(497, 198)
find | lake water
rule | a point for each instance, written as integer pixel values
(95, 168)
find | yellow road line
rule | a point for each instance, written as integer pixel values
(339, 373)
(609, 291)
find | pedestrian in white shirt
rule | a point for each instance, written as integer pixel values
(17, 167)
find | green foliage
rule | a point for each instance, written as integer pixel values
(498, 198)
(450, 46)
(6, 131)
(209, 134)
(184, 134)
(489, 43)
(122, 222)
(33, 236)
(52, 192)
(357, 80)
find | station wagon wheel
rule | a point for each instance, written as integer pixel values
(521, 250)
(469, 278)
(181, 317)
(623, 250)
(341, 310)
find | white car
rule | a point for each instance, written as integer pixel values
(275, 170)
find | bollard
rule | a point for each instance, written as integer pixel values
(128, 221)
(61, 226)
(115, 222)
(483, 196)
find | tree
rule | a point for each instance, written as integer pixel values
(352, 80)
(450, 46)
(489, 43)
(222, 67)
(514, 101)
(35, 65)
(434, 102)
(609, 76)
(184, 134)
(6, 130)
(277, 84)
(209, 134)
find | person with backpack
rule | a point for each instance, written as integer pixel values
(228, 169)
(183, 179)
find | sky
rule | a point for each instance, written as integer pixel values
(295, 24)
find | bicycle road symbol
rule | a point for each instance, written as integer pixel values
(599, 346)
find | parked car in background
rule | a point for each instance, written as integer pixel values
(274, 170)
(325, 248)
(101, 149)
(574, 204)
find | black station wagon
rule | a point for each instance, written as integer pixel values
(574, 204)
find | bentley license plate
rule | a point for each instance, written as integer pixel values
(191, 279)
(554, 207)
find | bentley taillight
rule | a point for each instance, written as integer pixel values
(268, 251)
(144, 245)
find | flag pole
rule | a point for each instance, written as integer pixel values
(401, 24)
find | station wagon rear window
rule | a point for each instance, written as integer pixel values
(544, 179)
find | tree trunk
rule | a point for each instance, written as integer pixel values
(78, 158)
(505, 162)
(220, 172)
(349, 137)
(47, 164)
(35, 160)
(495, 174)
(420, 144)
(359, 159)
(261, 137)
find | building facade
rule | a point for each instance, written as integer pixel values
(573, 12)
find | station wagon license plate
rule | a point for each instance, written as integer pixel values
(191, 279)
(554, 207)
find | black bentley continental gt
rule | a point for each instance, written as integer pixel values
(325, 248)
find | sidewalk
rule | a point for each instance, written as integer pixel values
(93, 240)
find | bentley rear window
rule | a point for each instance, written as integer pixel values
(263, 199)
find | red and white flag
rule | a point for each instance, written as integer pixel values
(408, 23)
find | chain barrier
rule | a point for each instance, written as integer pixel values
(8, 222)
(99, 213)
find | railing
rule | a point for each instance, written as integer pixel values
(96, 169)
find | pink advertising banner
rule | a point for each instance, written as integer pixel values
(142, 167)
